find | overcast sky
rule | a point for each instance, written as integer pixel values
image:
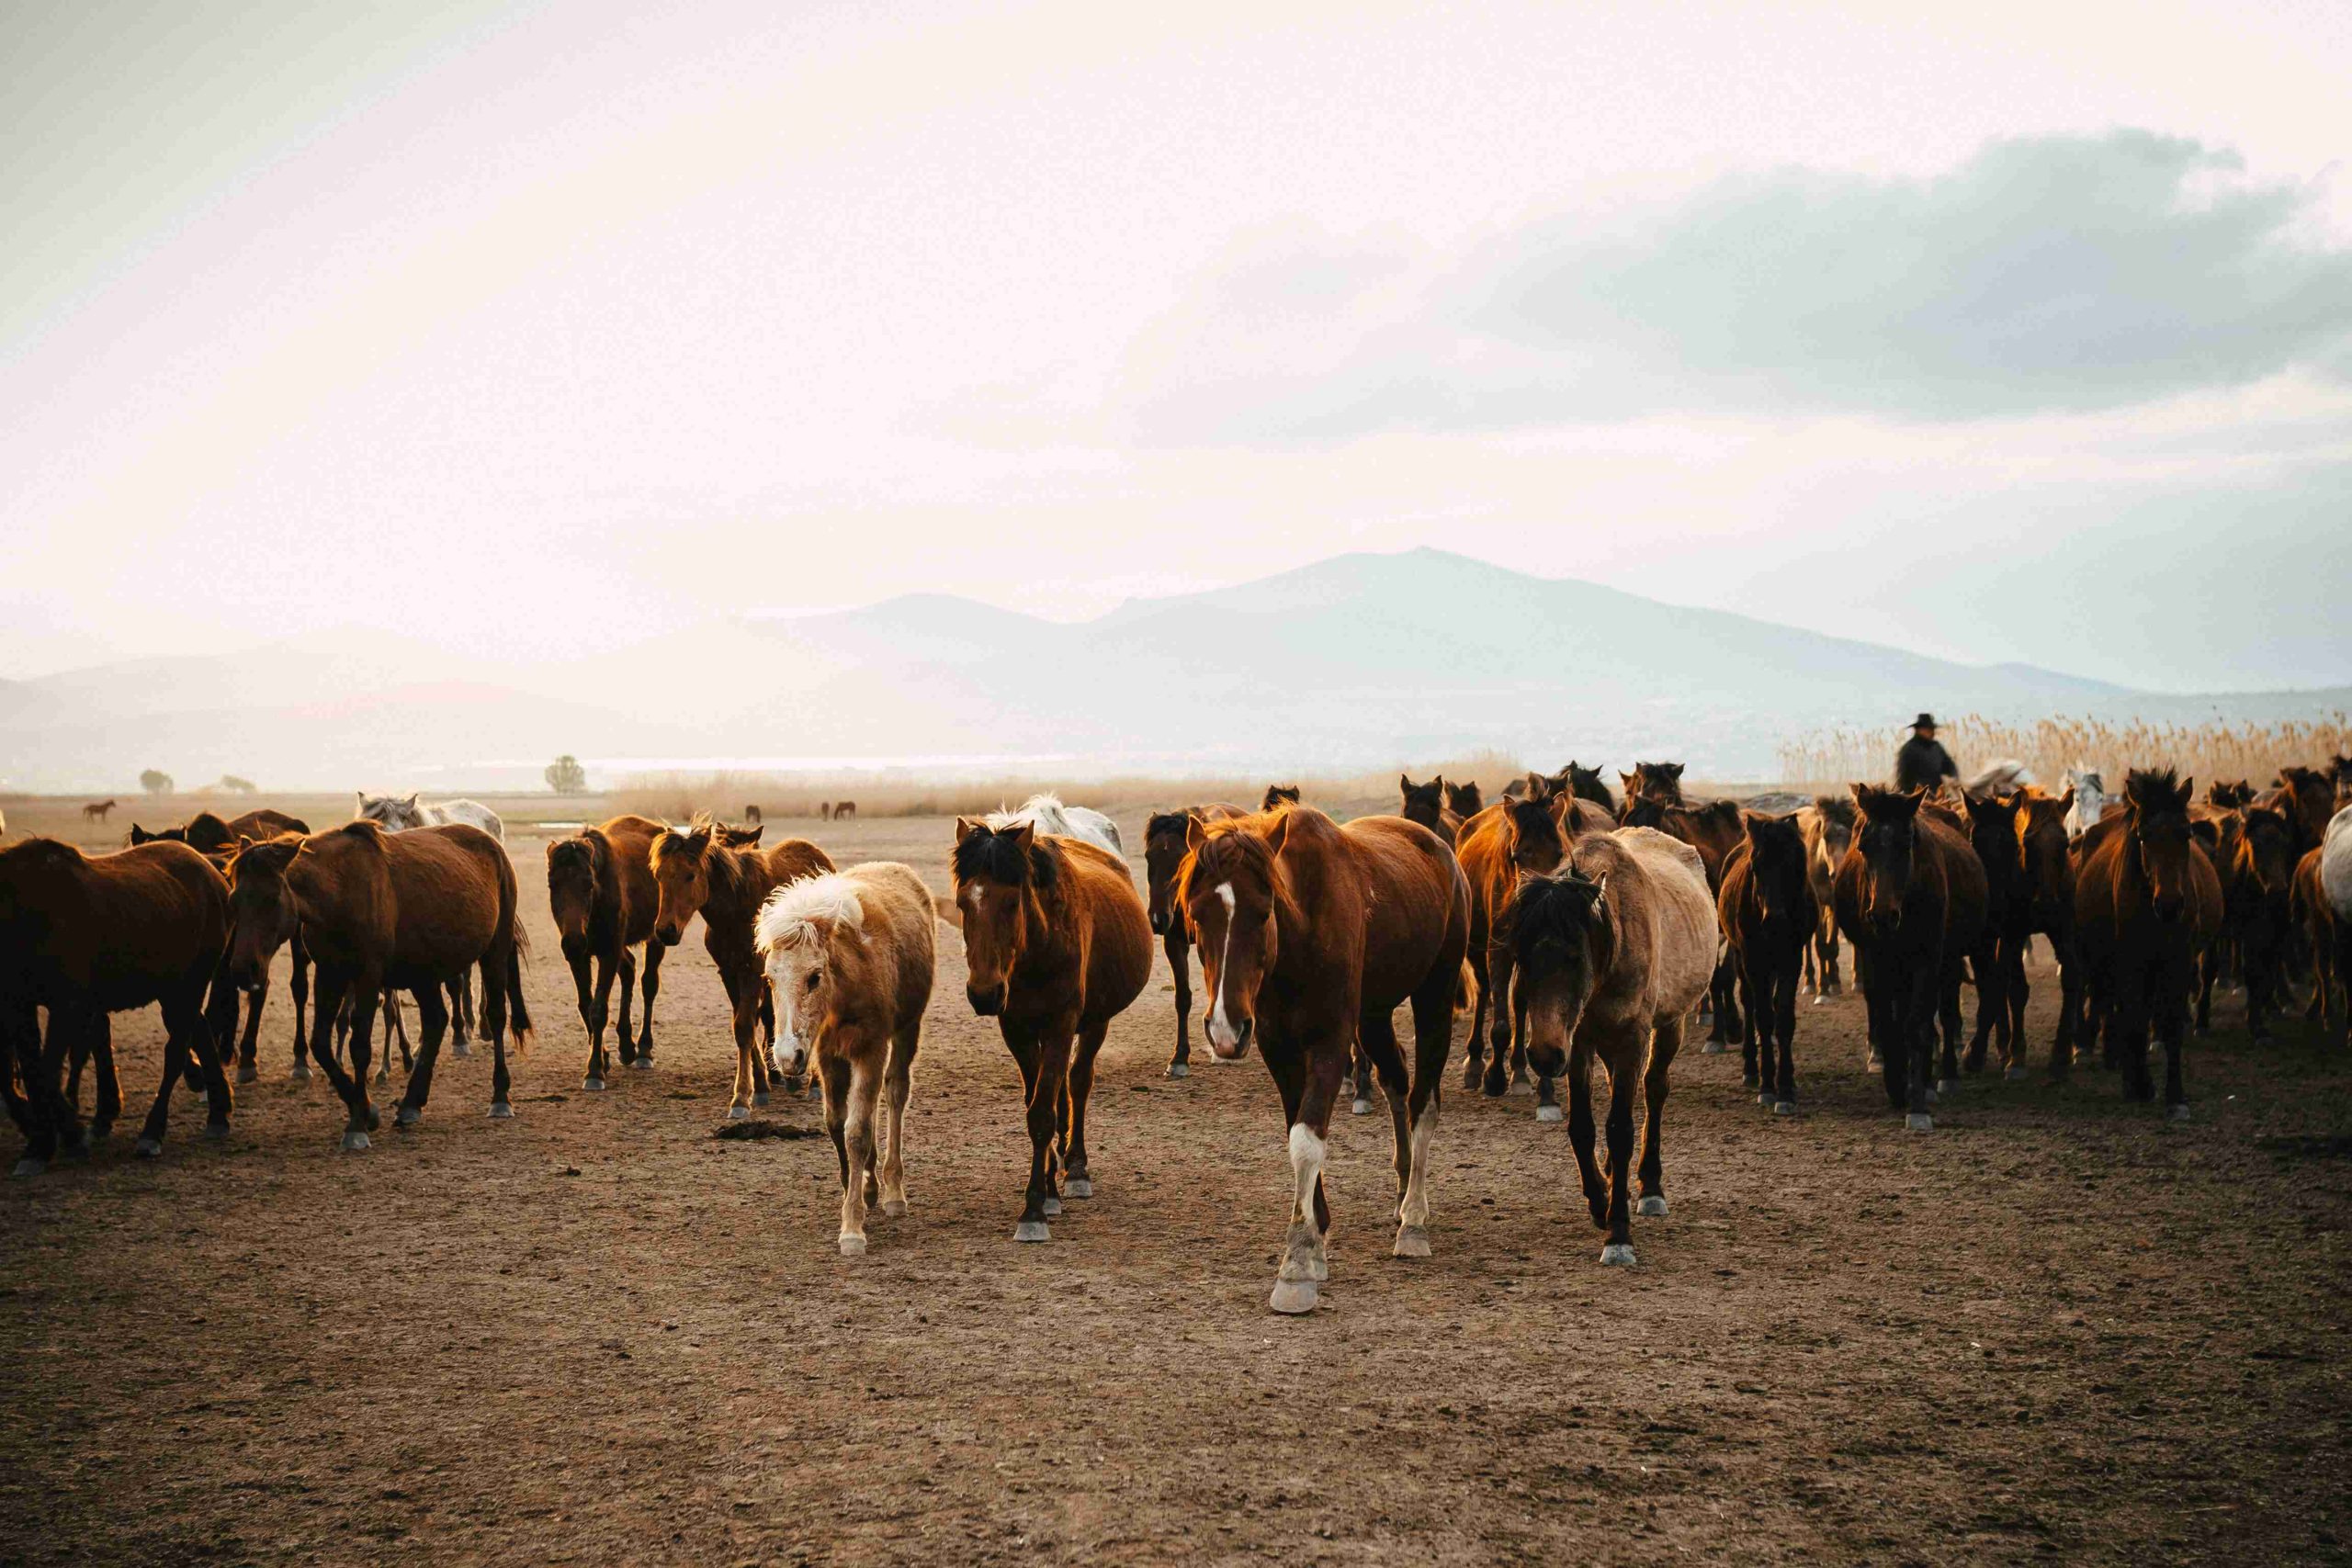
(2011, 331)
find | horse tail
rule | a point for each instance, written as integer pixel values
(508, 986)
(1466, 990)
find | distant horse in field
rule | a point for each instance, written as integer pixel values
(1464, 800)
(84, 936)
(2256, 869)
(2089, 793)
(400, 812)
(96, 810)
(411, 911)
(1433, 804)
(1769, 916)
(695, 872)
(1712, 830)
(1278, 796)
(1164, 848)
(1828, 829)
(1613, 949)
(2147, 904)
(752, 816)
(1311, 936)
(2229, 795)
(602, 894)
(1910, 897)
(1508, 839)
(1047, 813)
(848, 957)
(1057, 944)
(844, 810)
(2322, 900)
(216, 841)
(824, 811)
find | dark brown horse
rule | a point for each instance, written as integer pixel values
(1769, 916)
(84, 936)
(1910, 897)
(209, 835)
(1164, 848)
(697, 872)
(1278, 796)
(1464, 800)
(1311, 936)
(2047, 871)
(1661, 782)
(1992, 826)
(1057, 943)
(412, 912)
(1507, 840)
(601, 891)
(1712, 830)
(844, 810)
(217, 840)
(2307, 794)
(2147, 905)
(1425, 804)
(2256, 868)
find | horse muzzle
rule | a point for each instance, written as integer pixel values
(1158, 923)
(987, 1000)
(788, 1056)
(1229, 1044)
(2169, 910)
(667, 935)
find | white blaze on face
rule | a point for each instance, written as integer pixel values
(787, 969)
(1225, 1035)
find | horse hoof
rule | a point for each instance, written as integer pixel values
(2016, 1073)
(407, 1116)
(1362, 1107)
(852, 1246)
(1549, 1114)
(1947, 1085)
(1821, 1001)
(1077, 1187)
(643, 1064)
(893, 1208)
(501, 1111)
(1919, 1121)
(2177, 1113)
(30, 1166)
(1711, 1048)
(216, 1132)
(147, 1148)
(248, 1073)
(738, 1114)
(1412, 1241)
(1293, 1297)
(1180, 1069)
(460, 1050)
(298, 1074)
(593, 1084)
(1522, 1086)
(759, 1096)
(354, 1140)
(1784, 1108)
(1652, 1204)
(1052, 1208)
(1766, 1099)
(1616, 1254)
(1031, 1229)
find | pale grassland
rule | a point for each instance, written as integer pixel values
(1829, 759)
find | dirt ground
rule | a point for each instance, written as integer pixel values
(2055, 1328)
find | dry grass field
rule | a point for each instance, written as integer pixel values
(2054, 1330)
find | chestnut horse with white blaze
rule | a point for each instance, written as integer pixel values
(700, 872)
(1512, 838)
(602, 894)
(1164, 848)
(849, 957)
(1057, 944)
(1614, 950)
(1311, 936)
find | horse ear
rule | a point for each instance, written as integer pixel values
(2188, 790)
(1022, 835)
(411, 801)
(1627, 779)
(1404, 783)
(1195, 835)
(1279, 834)
(1673, 770)
(2066, 801)
(965, 829)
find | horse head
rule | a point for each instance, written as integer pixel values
(2157, 810)
(576, 866)
(264, 913)
(1232, 889)
(1887, 843)
(1164, 849)
(683, 865)
(1561, 942)
(1003, 875)
(1776, 861)
(1423, 803)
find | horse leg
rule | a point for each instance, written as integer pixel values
(299, 985)
(1664, 1040)
(2016, 988)
(1179, 963)
(1377, 1050)
(649, 988)
(1623, 1057)
(1305, 1259)
(1929, 987)
(2169, 1021)
(190, 1033)
(1580, 1133)
(898, 1084)
(1948, 1015)
(584, 986)
(854, 1145)
(751, 1079)
(1433, 1038)
(625, 961)
(1042, 1200)
(1478, 1011)
(461, 1015)
(109, 1110)
(433, 1025)
(1076, 1181)
(1783, 1004)
(335, 989)
(2070, 1005)
(65, 1115)
(1743, 964)
(1501, 1032)
(1992, 1000)
(2128, 1016)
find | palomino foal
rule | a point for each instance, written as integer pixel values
(849, 958)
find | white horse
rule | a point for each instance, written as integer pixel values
(1047, 813)
(397, 812)
(2005, 777)
(2090, 799)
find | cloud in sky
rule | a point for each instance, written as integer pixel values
(2055, 273)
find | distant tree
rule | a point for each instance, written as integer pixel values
(154, 780)
(236, 785)
(566, 776)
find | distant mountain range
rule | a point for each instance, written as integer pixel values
(1361, 660)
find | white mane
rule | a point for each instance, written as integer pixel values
(1999, 778)
(793, 911)
(1045, 812)
(2090, 799)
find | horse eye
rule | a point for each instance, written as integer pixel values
(814, 976)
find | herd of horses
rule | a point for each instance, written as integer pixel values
(1577, 926)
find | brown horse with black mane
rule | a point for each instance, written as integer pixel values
(1164, 848)
(1311, 936)
(1766, 909)
(1278, 796)
(2147, 905)
(413, 911)
(1057, 943)
(86, 936)
(2046, 877)
(1508, 839)
(207, 834)
(2256, 869)
(601, 891)
(1910, 897)
(701, 872)
(216, 841)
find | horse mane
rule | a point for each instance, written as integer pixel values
(992, 851)
(794, 912)
(1279, 796)
(1838, 808)
(1582, 779)
(1242, 836)
(1044, 810)
(702, 837)
(1665, 776)
(2155, 790)
(1165, 822)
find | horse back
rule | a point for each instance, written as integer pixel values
(453, 892)
(637, 900)
(1666, 929)
(1415, 902)
(1108, 924)
(899, 921)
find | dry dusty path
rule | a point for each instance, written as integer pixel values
(2054, 1329)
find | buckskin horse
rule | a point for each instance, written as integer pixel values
(697, 872)
(1164, 848)
(1311, 936)
(89, 935)
(602, 894)
(1768, 916)
(1057, 944)
(2147, 904)
(1910, 897)
(1613, 949)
